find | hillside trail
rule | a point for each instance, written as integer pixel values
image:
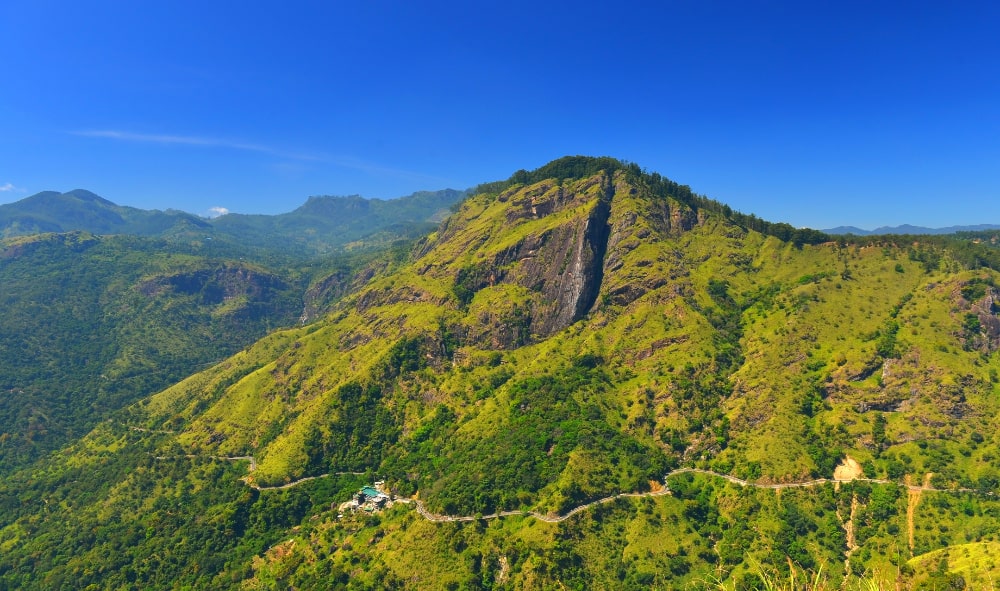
(665, 490)
(852, 542)
(913, 499)
(852, 475)
(248, 480)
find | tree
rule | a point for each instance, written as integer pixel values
(879, 438)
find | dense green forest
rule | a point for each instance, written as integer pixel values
(91, 324)
(584, 336)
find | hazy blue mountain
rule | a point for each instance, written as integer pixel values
(80, 210)
(908, 229)
(323, 224)
(327, 223)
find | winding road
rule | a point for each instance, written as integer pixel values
(549, 518)
(422, 510)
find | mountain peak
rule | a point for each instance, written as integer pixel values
(87, 196)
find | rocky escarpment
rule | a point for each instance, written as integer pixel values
(637, 220)
(982, 318)
(218, 285)
(577, 242)
(551, 276)
(320, 297)
(566, 270)
(527, 262)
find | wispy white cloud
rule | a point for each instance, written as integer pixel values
(7, 188)
(188, 140)
(205, 141)
(214, 212)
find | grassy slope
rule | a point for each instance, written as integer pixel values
(808, 316)
(750, 358)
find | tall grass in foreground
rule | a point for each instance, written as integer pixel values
(797, 579)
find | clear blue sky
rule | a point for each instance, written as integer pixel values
(813, 113)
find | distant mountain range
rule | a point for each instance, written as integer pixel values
(51, 211)
(323, 224)
(908, 229)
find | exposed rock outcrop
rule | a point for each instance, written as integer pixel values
(636, 220)
(216, 285)
(986, 310)
(556, 271)
(567, 270)
(561, 269)
(321, 295)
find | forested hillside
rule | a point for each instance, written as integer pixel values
(569, 335)
(126, 301)
(90, 324)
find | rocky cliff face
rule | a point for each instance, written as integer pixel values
(637, 220)
(570, 236)
(324, 293)
(252, 289)
(564, 267)
(982, 324)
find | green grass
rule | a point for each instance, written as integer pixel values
(977, 562)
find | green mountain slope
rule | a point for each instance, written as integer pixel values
(568, 335)
(90, 324)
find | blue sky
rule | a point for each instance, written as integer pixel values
(813, 113)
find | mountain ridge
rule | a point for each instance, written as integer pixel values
(509, 291)
(909, 229)
(34, 214)
(564, 337)
(323, 224)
